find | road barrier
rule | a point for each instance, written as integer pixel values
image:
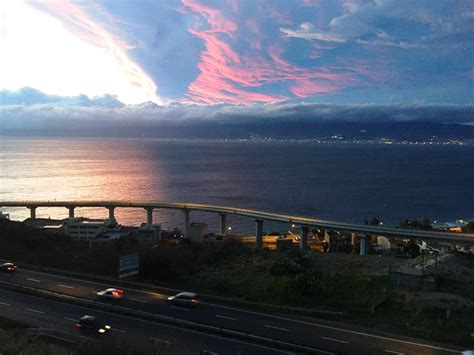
(171, 291)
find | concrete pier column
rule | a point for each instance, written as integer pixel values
(304, 239)
(32, 212)
(223, 223)
(71, 212)
(186, 223)
(363, 244)
(354, 242)
(111, 212)
(259, 233)
(149, 215)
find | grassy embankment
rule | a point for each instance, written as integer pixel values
(323, 281)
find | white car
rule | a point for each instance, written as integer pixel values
(111, 294)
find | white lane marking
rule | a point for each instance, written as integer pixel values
(161, 340)
(34, 280)
(34, 311)
(181, 330)
(137, 300)
(334, 328)
(336, 340)
(270, 326)
(393, 352)
(4, 304)
(118, 330)
(65, 286)
(72, 320)
(224, 317)
(181, 308)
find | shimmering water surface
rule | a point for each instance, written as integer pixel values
(346, 182)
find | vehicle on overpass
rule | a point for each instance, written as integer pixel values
(91, 324)
(110, 294)
(187, 299)
(8, 267)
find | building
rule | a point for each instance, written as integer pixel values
(86, 228)
(149, 233)
(197, 231)
(456, 226)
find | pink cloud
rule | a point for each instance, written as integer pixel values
(214, 17)
(226, 76)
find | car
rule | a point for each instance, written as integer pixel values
(110, 294)
(91, 324)
(188, 299)
(8, 267)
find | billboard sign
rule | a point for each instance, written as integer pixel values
(129, 265)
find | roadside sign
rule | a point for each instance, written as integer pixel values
(129, 265)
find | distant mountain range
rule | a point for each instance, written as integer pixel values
(278, 130)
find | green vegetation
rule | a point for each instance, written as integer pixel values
(425, 224)
(470, 227)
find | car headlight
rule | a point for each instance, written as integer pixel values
(101, 330)
(107, 327)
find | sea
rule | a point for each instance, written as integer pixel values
(347, 182)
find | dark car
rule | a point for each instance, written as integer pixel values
(188, 299)
(91, 324)
(8, 267)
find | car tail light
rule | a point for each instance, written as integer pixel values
(115, 294)
(78, 325)
(194, 301)
(120, 291)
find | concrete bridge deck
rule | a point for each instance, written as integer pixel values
(362, 231)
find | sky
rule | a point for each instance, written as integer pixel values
(65, 56)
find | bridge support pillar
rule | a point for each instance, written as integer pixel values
(32, 212)
(354, 242)
(186, 223)
(304, 239)
(363, 244)
(71, 212)
(259, 233)
(149, 215)
(223, 225)
(111, 212)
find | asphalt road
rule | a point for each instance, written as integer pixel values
(303, 331)
(48, 314)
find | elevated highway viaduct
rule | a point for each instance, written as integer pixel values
(362, 232)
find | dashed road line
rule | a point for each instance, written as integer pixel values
(336, 340)
(181, 308)
(34, 311)
(118, 330)
(4, 304)
(34, 280)
(161, 340)
(393, 352)
(224, 317)
(277, 328)
(65, 286)
(138, 300)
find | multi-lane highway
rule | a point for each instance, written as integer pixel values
(48, 315)
(310, 333)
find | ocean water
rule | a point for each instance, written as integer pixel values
(344, 182)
